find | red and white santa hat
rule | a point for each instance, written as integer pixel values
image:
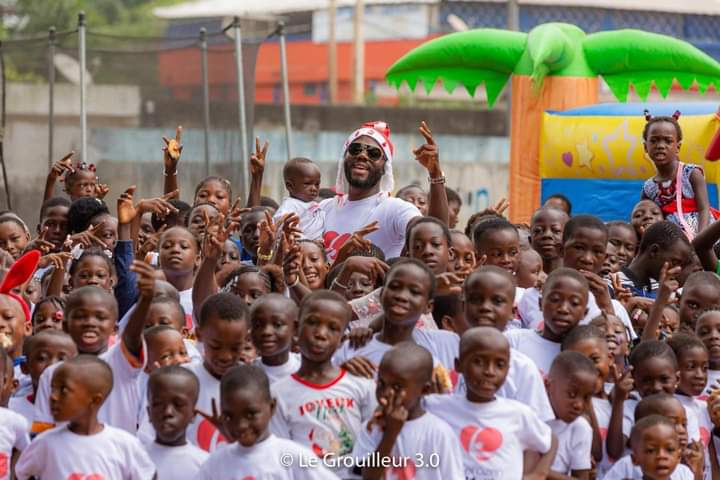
(380, 132)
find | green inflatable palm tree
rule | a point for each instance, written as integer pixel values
(555, 66)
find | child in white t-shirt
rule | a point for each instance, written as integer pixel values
(246, 407)
(570, 384)
(83, 446)
(494, 432)
(488, 302)
(692, 359)
(91, 316)
(420, 445)
(272, 326)
(13, 427)
(43, 349)
(321, 406)
(563, 301)
(399, 324)
(656, 452)
(222, 328)
(302, 180)
(172, 394)
(590, 341)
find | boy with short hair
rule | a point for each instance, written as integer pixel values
(222, 328)
(79, 387)
(494, 432)
(570, 385)
(302, 180)
(172, 394)
(320, 405)
(273, 319)
(487, 301)
(563, 302)
(41, 350)
(401, 428)
(247, 406)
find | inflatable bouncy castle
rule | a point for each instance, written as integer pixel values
(594, 155)
(554, 67)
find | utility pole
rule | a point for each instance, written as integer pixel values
(358, 53)
(332, 53)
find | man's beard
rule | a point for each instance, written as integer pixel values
(373, 178)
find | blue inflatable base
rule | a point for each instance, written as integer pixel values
(607, 199)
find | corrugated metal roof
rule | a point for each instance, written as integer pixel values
(229, 8)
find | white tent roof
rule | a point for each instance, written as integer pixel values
(250, 8)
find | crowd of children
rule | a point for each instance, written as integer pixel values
(354, 332)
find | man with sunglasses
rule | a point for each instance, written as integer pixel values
(364, 187)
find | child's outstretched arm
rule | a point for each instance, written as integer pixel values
(428, 156)
(171, 157)
(668, 285)
(61, 166)
(616, 441)
(703, 245)
(132, 335)
(257, 168)
(542, 467)
(697, 181)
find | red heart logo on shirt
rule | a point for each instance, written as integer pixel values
(480, 443)
(406, 472)
(4, 465)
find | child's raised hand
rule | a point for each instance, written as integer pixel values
(359, 336)
(449, 283)
(713, 406)
(88, 237)
(292, 265)
(497, 209)
(172, 150)
(599, 289)
(40, 243)
(125, 208)
(257, 159)
(55, 260)
(428, 154)
(101, 189)
(357, 241)
(145, 278)
(623, 382)
(160, 206)
(215, 419)
(371, 267)
(393, 411)
(214, 238)
(694, 456)
(668, 282)
(62, 166)
(360, 367)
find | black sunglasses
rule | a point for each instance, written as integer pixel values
(373, 153)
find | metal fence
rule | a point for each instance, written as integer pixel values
(132, 82)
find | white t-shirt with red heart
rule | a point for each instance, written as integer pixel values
(425, 449)
(493, 435)
(343, 217)
(14, 435)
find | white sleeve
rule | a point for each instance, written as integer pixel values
(581, 445)
(288, 205)
(535, 434)
(622, 314)
(369, 402)
(531, 391)
(42, 400)
(279, 421)
(319, 472)
(402, 214)
(206, 471)
(22, 438)
(366, 442)
(31, 460)
(137, 461)
(617, 471)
